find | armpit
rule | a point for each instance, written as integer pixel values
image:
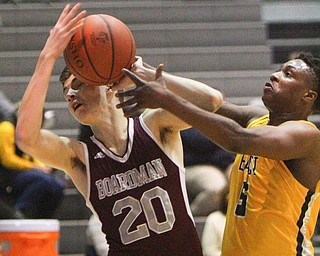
(164, 134)
(76, 163)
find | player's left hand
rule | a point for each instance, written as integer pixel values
(144, 95)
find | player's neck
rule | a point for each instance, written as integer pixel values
(113, 133)
(279, 118)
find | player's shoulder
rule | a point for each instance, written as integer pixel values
(162, 122)
(307, 133)
(303, 126)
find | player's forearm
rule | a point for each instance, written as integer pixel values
(31, 108)
(200, 94)
(221, 130)
(196, 92)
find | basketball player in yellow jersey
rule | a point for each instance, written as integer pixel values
(274, 185)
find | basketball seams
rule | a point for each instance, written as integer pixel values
(97, 53)
(70, 64)
(112, 46)
(88, 55)
(132, 54)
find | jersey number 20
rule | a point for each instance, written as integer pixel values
(145, 206)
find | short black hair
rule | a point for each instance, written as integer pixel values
(314, 64)
(65, 74)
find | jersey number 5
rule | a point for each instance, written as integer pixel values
(145, 206)
(243, 199)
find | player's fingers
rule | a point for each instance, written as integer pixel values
(133, 77)
(71, 14)
(64, 13)
(126, 93)
(76, 23)
(72, 22)
(132, 111)
(127, 103)
(138, 62)
(159, 72)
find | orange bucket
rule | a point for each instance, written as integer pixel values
(29, 237)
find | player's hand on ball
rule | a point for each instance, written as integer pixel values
(125, 81)
(141, 69)
(60, 35)
(144, 94)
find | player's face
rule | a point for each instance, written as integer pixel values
(83, 100)
(287, 86)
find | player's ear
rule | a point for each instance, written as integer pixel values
(311, 95)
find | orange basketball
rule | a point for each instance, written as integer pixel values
(99, 50)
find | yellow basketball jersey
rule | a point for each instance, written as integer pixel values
(269, 213)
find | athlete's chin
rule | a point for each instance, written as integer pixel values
(266, 97)
(79, 116)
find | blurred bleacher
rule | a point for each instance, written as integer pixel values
(232, 45)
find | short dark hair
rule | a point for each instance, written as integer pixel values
(314, 64)
(65, 74)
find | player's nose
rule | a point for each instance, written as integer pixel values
(71, 93)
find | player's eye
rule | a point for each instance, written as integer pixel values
(75, 85)
(287, 74)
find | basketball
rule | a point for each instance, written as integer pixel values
(98, 51)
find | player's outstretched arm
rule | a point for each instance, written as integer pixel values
(196, 92)
(200, 94)
(155, 94)
(42, 144)
(268, 141)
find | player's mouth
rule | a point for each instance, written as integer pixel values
(268, 86)
(75, 105)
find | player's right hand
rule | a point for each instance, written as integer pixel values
(145, 94)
